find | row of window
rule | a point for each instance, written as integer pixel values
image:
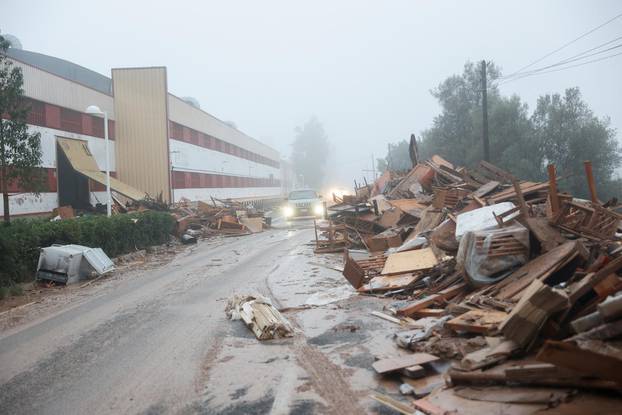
(189, 135)
(192, 180)
(61, 118)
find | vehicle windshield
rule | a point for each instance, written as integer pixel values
(302, 194)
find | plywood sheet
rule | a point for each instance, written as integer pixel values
(417, 260)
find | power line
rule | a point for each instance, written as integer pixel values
(562, 62)
(561, 69)
(572, 58)
(566, 45)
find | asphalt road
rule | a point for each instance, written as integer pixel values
(159, 342)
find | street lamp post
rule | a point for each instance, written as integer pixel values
(94, 110)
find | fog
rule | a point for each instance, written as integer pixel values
(364, 68)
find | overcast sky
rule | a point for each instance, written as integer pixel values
(364, 68)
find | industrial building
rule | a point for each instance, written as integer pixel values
(160, 145)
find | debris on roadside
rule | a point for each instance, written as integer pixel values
(260, 316)
(68, 264)
(510, 282)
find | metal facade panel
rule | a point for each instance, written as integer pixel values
(142, 129)
(185, 114)
(47, 87)
(81, 159)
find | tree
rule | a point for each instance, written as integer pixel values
(570, 133)
(20, 151)
(309, 153)
(397, 157)
(562, 130)
(456, 133)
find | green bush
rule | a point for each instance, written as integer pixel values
(21, 241)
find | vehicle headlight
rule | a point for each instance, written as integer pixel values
(288, 211)
(318, 209)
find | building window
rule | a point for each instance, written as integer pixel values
(194, 137)
(36, 115)
(178, 180)
(70, 120)
(177, 131)
(97, 124)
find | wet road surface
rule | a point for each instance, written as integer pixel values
(159, 342)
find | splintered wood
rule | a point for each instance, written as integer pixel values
(259, 315)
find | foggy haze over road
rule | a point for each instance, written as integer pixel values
(365, 69)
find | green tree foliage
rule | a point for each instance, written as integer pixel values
(397, 157)
(20, 151)
(569, 133)
(309, 153)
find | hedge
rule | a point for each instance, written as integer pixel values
(119, 234)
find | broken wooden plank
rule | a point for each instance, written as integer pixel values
(477, 321)
(586, 284)
(386, 317)
(394, 404)
(591, 183)
(588, 362)
(394, 364)
(429, 312)
(353, 272)
(531, 371)
(445, 294)
(427, 407)
(260, 316)
(485, 189)
(402, 262)
(459, 377)
(536, 305)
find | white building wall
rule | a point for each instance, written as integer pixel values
(225, 193)
(185, 114)
(29, 203)
(44, 86)
(189, 157)
(97, 146)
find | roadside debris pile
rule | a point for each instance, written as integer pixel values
(261, 317)
(496, 281)
(221, 217)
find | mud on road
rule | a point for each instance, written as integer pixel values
(155, 339)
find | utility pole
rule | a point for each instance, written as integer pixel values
(485, 114)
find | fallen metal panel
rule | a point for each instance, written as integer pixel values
(82, 161)
(98, 260)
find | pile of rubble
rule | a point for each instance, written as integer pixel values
(506, 292)
(221, 217)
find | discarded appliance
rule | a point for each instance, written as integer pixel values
(71, 263)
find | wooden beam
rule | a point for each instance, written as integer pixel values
(445, 294)
(588, 362)
(591, 184)
(553, 196)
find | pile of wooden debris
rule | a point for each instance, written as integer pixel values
(221, 217)
(508, 292)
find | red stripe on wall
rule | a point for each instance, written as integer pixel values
(192, 180)
(188, 135)
(50, 183)
(61, 118)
